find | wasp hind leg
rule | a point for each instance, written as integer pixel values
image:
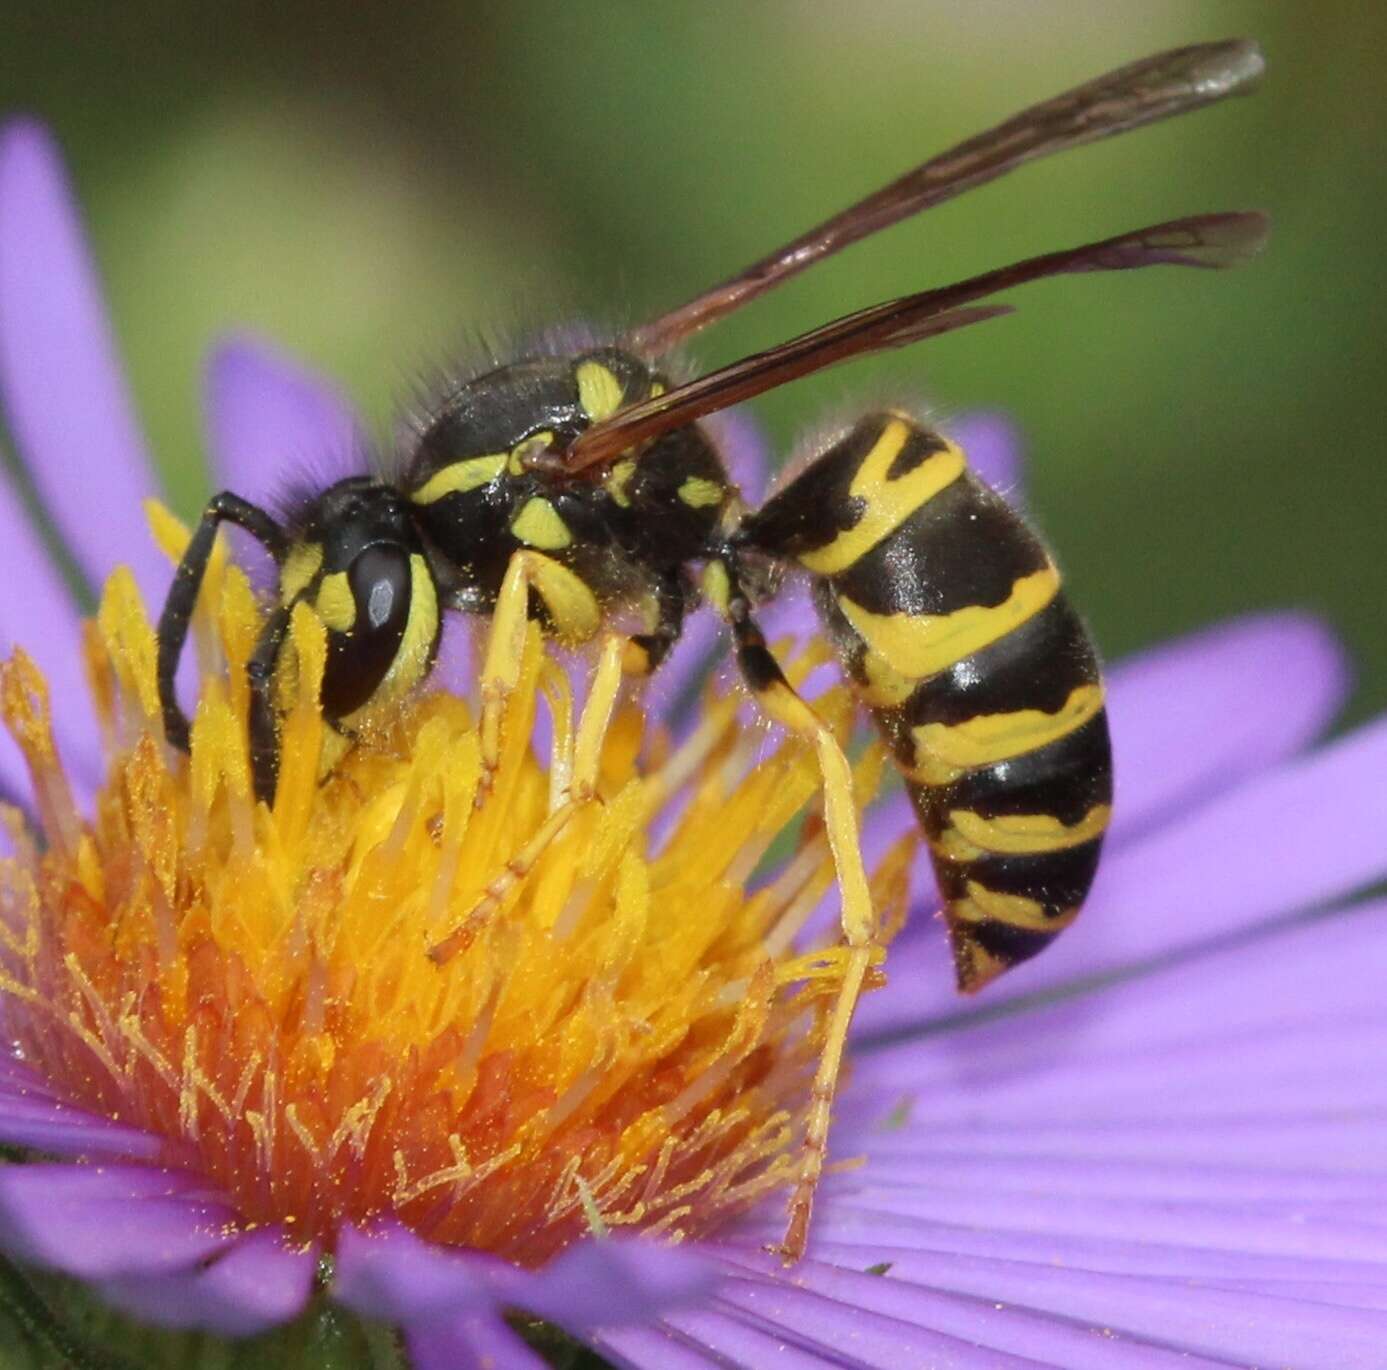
(780, 702)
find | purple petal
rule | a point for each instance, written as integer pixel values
(258, 1283)
(1195, 715)
(271, 421)
(1056, 1316)
(30, 1116)
(43, 620)
(273, 425)
(474, 1341)
(660, 1348)
(1272, 1002)
(742, 442)
(994, 450)
(1192, 1161)
(861, 1336)
(390, 1273)
(598, 1283)
(61, 385)
(109, 1222)
(1303, 835)
(732, 1339)
(1300, 836)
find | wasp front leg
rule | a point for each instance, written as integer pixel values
(780, 702)
(574, 615)
(187, 581)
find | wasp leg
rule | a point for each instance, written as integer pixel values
(263, 723)
(514, 871)
(592, 733)
(778, 699)
(597, 716)
(573, 614)
(646, 652)
(187, 581)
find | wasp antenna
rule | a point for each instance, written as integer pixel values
(1143, 92)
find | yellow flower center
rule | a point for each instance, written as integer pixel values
(619, 1033)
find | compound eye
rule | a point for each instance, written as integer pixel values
(365, 609)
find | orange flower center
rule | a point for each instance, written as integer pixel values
(622, 1037)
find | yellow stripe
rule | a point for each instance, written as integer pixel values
(303, 562)
(460, 477)
(944, 751)
(698, 493)
(882, 686)
(990, 906)
(599, 391)
(526, 448)
(617, 480)
(922, 645)
(538, 524)
(336, 605)
(888, 502)
(972, 836)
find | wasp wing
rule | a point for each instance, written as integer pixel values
(1141, 93)
(1206, 240)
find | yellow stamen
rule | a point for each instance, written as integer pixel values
(501, 1012)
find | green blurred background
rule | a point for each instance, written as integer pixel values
(368, 183)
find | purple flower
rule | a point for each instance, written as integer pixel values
(1160, 1143)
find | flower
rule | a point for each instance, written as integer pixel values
(1160, 1142)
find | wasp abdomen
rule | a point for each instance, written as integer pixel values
(952, 624)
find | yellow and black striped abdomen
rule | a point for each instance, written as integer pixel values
(951, 622)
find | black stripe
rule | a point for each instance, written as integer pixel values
(1057, 880)
(919, 445)
(1035, 666)
(1010, 945)
(1065, 779)
(816, 507)
(962, 548)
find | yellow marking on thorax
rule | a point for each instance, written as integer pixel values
(599, 392)
(336, 605)
(538, 524)
(526, 447)
(922, 645)
(944, 751)
(971, 836)
(699, 493)
(617, 480)
(983, 905)
(888, 502)
(458, 477)
(303, 562)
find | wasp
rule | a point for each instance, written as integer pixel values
(579, 488)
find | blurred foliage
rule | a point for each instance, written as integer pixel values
(369, 184)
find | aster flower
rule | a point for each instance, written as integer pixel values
(1162, 1142)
